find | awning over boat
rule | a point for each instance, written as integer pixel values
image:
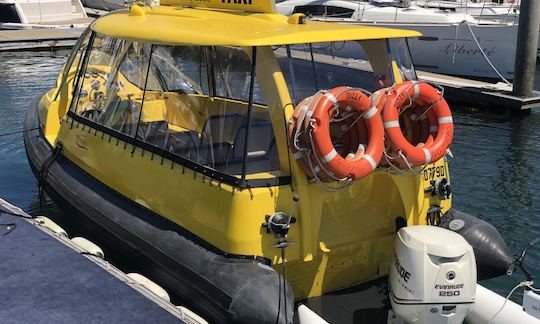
(178, 25)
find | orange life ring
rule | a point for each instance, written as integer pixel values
(338, 102)
(425, 96)
(351, 138)
(295, 130)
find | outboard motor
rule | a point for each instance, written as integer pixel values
(493, 257)
(433, 276)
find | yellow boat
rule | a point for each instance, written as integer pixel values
(167, 130)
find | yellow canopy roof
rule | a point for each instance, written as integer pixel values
(178, 25)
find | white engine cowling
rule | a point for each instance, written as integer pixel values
(433, 276)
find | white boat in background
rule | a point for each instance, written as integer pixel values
(43, 14)
(507, 11)
(452, 43)
(104, 5)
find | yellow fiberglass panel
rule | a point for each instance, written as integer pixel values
(227, 218)
(176, 25)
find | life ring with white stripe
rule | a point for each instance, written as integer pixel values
(441, 126)
(300, 144)
(339, 102)
(301, 112)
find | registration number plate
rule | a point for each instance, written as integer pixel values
(434, 172)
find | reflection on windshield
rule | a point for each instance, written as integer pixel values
(179, 68)
(400, 53)
(328, 65)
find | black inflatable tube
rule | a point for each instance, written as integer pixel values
(220, 288)
(493, 257)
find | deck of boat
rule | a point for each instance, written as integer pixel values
(44, 279)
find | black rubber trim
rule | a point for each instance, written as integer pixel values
(201, 169)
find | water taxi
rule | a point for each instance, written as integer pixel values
(243, 158)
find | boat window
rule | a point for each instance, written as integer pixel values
(113, 83)
(202, 113)
(8, 13)
(73, 63)
(399, 50)
(190, 102)
(324, 11)
(309, 68)
(232, 68)
(180, 68)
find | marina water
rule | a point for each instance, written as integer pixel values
(495, 170)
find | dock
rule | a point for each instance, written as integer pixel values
(461, 91)
(474, 93)
(38, 39)
(46, 278)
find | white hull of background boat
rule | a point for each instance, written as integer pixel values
(43, 14)
(447, 45)
(19, 26)
(451, 49)
(439, 50)
(507, 12)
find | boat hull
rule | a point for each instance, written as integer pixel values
(220, 287)
(450, 49)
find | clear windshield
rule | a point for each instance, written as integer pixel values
(362, 64)
(191, 101)
(399, 50)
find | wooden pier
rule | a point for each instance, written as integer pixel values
(473, 93)
(38, 39)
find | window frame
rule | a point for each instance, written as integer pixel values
(237, 182)
(71, 59)
(11, 9)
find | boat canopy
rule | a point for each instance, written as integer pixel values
(188, 26)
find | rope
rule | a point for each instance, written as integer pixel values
(485, 56)
(455, 44)
(44, 170)
(19, 131)
(441, 97)
(387, 157)
(527, 284)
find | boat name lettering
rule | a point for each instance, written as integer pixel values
(353, 96)
(458, 286)
(246, 2)
(403, 273)
(433, 172)
(462, 50)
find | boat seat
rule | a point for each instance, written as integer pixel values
(226, 154)
(183, 144)
(154, 133)
(261, 146)
(217, 138)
